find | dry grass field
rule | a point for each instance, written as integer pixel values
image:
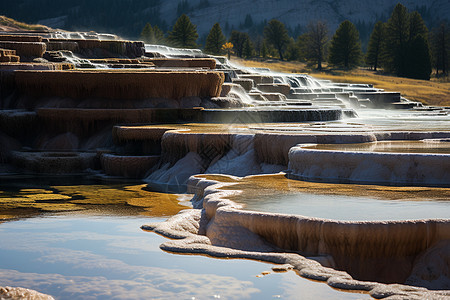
(8, 24)
(430, 92)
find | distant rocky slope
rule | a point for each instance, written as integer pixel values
(127, 18)
(294, 13)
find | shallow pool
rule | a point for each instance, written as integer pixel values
(350, 202)
(73, 242)
(347, 208)
(423, 146)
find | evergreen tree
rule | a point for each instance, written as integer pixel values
(302, 46)
(416, 26)
(418, 58)
(292, 51)
(247, 50)
(345, 49)
(215, 40)
(158, 36)
(373, 57)
(396, 42)
(406, 49)
(276, 34)
(264, 50)
(316, 40)
(248, 21)
(238, 40)
(147, 35)
(418, 51)
(440, 45)
(257, 45)
(184, 33)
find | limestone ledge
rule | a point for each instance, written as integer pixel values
(7, 293)
(220, 228)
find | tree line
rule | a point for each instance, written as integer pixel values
(402, 45)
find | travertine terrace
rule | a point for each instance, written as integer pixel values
(85, 103)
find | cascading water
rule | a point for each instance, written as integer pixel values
(166, 51)
(82, 63)
(239, 231)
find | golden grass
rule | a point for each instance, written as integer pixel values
(274, 65)
(120, 85)
(5, 21)
(430, 92)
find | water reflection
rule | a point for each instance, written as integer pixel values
(96, 249)
(35, 196)
(423, 146)
(351, 202)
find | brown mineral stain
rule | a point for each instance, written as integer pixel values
(88, 199)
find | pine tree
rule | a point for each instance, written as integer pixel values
(416, 26)
(147, 35)
(158, 35)
(373, 57)
(316, 40)
(264, 50)
(215, 40)
(418, 58)
(418, 52)
(247, 50)
(276, 34)
(238, 39)
(184, 33)
(345, 49)
(396, 42)
(440, 45)
(292, 51)
(248, 21)
(406, 49)
(302, 46)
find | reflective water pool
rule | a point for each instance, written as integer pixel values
(84, 242)
(351, 202)
(426, 146)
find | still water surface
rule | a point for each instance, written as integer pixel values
(83, 241)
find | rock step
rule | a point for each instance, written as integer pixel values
(127, 166)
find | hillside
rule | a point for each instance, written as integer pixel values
(128, 17)
(8, 24)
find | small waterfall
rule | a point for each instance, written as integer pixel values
(81, 63)
(81, 35)
(174, 52)
(239, 92)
